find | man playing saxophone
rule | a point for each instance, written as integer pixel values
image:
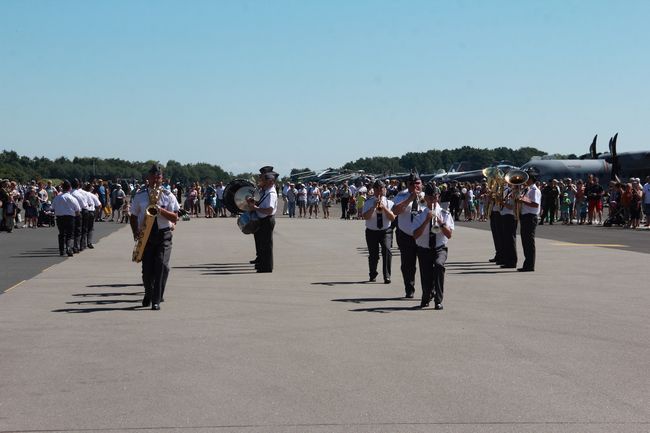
(154, 211)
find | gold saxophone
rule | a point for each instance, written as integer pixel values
(149, 218)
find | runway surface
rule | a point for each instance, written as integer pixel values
(314, 348)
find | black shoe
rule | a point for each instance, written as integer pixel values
(438, 307)
(424, 303)
(75, 250)
(91, 246)
(386, 280)
(264, 271)
(252, 262)
(525, 270)
(409, 295)
(155, 307)
(61, 253)
(493, 260)
(70, 254)
(146, 301)
(508, 266)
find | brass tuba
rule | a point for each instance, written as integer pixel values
(516, 178)
(495, 184)
(149, 217)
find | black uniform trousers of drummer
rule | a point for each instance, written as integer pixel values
(432, 273)
(264, 244)
(78, 228)
(495, 228)
(65, 224)
(376, 240)
(509, 240)
(87, 237)
(528, 225)
(155, 263)
(408, 250)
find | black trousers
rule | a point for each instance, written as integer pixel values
(376, 240)
(85, 215)
(155, 264)
(65, 224)
(78, 228)
(527, 232)
(495, 227)
(509, 239)
(432, 272)
(90, 228)
(344, 207)
(408, 256)
(549, 211)
(264, 245)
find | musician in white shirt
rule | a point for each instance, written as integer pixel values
(379, 234)
(530, 207)
(432, 229)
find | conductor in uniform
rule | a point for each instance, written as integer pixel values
(407, 206)
(432, 229)
(265, 208)
(155, 260)
(530, 207)
(379, 232)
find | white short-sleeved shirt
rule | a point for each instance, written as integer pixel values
(93, 201)
(535, 195)
(80, 195)
(405, 219)
(646, 191)
(65, 205)
(441, 239)
(167, 201)
(219, 191)
(509, 201)
(269, 199)
(372, 222)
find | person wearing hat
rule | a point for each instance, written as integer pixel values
(407, 206)
(432, 229)
(65, 208)
(377, 213)
(530, 207)
(80, 221)
(265, 208)
(157, 252)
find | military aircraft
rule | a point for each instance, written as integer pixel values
(471, 175)
(606, 166)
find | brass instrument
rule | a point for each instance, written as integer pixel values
(150, 214)
(516, 178)
(235, 198)
(495, 184)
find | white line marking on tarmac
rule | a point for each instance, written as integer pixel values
(573, 244)
(14, 286)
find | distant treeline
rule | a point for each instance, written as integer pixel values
(433, 160)
(24, 169)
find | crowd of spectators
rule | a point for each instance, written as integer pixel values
(566, 201)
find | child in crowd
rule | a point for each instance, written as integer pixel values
(565, 208)
(126, 212)
(583, 212)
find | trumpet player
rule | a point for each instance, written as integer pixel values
(432, 229)
(158, 247)
(379, 234)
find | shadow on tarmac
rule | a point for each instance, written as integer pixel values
(40, 253)
(237, 268)
(338, 283)
(95, 310)
(362, 300)
(387, 309)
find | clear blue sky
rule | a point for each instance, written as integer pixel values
(318, 83)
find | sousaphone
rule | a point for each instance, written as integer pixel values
(235, 199)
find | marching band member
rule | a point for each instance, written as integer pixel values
(379, 233)
(508, 229)
(432, 229)
(155, 260)
(65, 208)
(406, 207)
(265, 208)
(530, 207)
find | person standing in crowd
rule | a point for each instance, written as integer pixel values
(285, 199)
(326, 195)
(65, 208)
(301, 200)
(292, 195)
(508, 229)
(407, 206)
(344, 196)
(379, 233)
(157, 252)
(93, 205)
(265, 208)
(432, 229)
(645, 199)
(550, 198)
(530, 206)
(313, 199)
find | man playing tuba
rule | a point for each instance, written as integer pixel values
(154, 212)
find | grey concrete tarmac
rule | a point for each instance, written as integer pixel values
(26, 252)
(312, 347)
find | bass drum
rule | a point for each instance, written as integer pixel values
(236, 193)
(248, 223)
